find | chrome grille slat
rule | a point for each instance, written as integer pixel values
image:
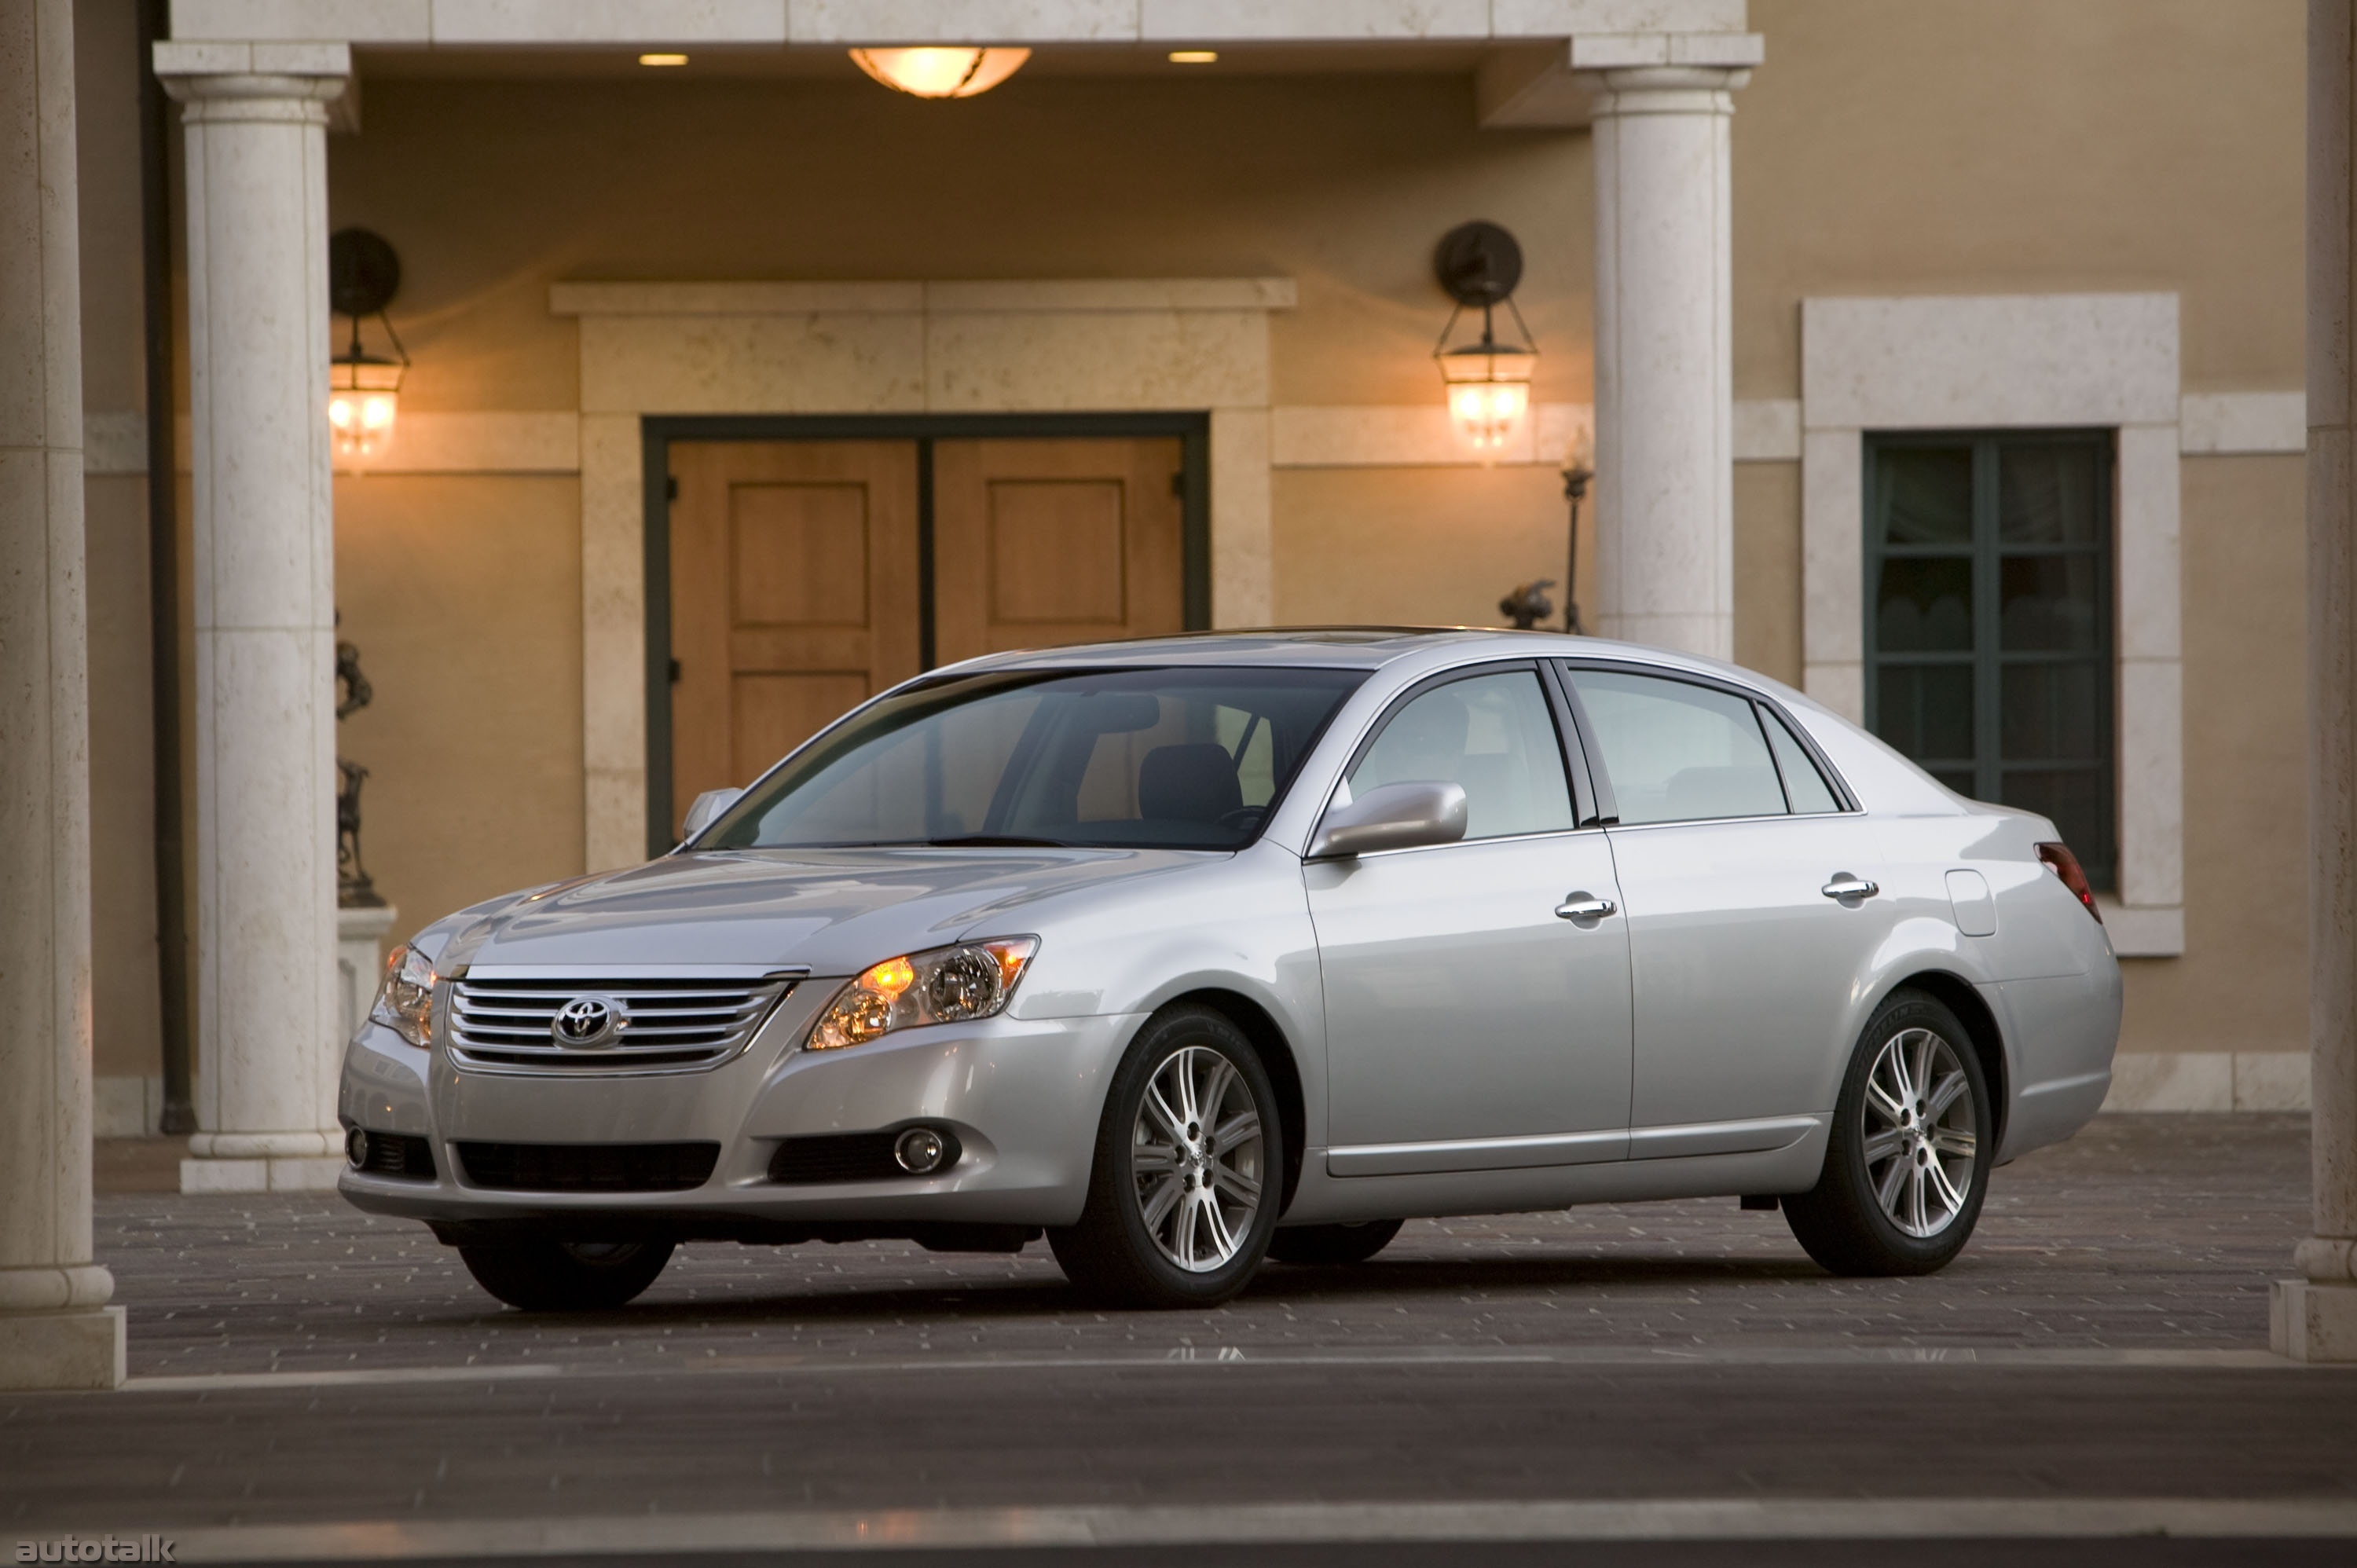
(680, 1022)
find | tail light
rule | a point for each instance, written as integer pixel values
(2064, 865)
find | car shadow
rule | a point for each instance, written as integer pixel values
(1000, 1299)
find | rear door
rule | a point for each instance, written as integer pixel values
(1475, 1022)
(1732, 847)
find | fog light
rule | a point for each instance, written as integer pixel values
(922, 1151)
(356, 1148)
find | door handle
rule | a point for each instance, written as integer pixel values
(1584, 906)
(1844, 885)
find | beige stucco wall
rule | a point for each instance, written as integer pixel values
(2024, 146)
(493, 191)
(2018, 146)
(2243, 982)
(464, 599)
(2006, 145)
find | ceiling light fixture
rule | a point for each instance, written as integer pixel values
(662, 59)
(939, 72)
(1194, 57)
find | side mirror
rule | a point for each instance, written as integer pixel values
(707, 810)
(1391, 816)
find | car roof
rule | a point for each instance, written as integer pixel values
(1353, 647)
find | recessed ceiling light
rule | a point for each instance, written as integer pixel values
(662, 59)
(1194, 57)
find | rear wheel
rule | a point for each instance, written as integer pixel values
(1333, 1245)
(567, 1277)
(1907, 1165)
(1188, 1175)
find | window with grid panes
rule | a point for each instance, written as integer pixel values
(1988, 620)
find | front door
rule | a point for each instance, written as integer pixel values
(1732, 849)
(1476, 994)
(793, 596)
(1039, 543)
(796, 569)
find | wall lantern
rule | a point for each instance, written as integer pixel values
(364, 389)
(1488, 382)
(940, 73)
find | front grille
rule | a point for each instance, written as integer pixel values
(847, 1156)
(399, 1155)
(588, 1167)
(675, 1019)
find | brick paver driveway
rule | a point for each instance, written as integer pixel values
(2104, 1337)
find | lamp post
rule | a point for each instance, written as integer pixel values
(1575, 490)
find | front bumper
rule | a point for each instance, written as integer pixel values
(1023, 1098)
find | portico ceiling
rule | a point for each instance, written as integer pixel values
(1525, 56)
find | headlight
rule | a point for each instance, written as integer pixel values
(404, 1002)
(946, 985)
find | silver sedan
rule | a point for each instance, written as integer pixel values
(1194, 952)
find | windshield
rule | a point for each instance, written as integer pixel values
(1184, 759)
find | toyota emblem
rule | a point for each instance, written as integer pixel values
(587, 1022)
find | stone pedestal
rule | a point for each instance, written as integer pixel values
(1664, 366)
(360, 963)
(55, 1330)
(2314, 1316)
(269, 995)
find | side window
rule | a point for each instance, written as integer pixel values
(1490, 734)
(1677, 752)
(1804, 785)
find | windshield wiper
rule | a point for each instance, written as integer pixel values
(995, 840)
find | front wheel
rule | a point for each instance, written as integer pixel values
(1184, 1190)
(1907, 1165)
(567, 1277)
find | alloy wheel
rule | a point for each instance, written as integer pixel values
(1919, 1138)
(1197, 1158)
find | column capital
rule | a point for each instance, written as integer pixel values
(197, 72)
(1667, 90)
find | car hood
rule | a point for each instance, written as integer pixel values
(833, 911)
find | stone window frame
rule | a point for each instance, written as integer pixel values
(2018, 361)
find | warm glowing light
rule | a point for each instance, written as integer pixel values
(890, 978)
(1194, 57)
(939, 72)
(1489, 414)
(662, 59)
(363, 420)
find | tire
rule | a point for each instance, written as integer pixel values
(1333, 1245)
(567, 1276)
(1892, 1201)
(1182, 1201)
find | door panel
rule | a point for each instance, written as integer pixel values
(1743, 969)
(793, 596)
(1038, 542)
(1459, 1009)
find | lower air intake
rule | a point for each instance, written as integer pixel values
(588, 1167)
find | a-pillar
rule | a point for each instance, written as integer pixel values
(56, 1329)
(2314, 1317)
(1664, 370)
(268, 1024)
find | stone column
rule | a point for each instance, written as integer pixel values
(55, 1330)
(1665, 370)
(2314, 1317)
(266, 984)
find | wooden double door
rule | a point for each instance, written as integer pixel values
(797, 573)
